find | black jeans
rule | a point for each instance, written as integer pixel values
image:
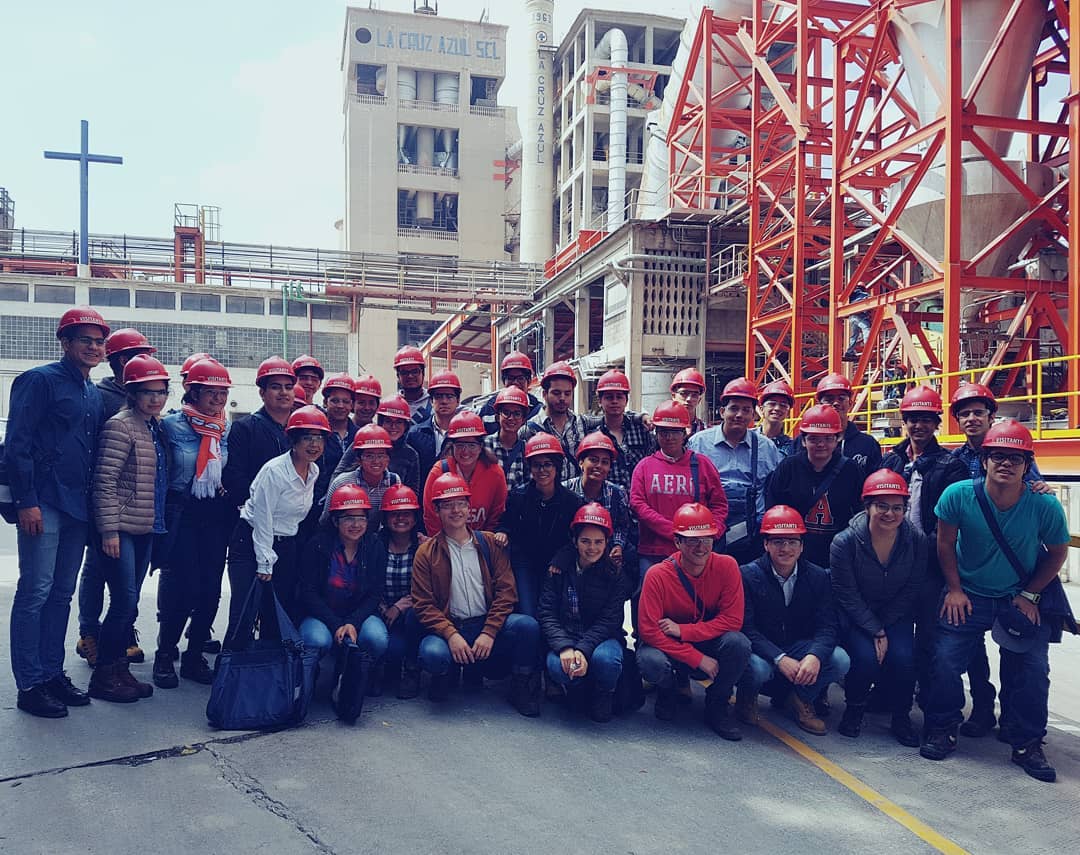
(242, 572)
(190, 582)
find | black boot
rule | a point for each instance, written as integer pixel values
(718, 715)
(851, 722)
(354, 684)
(525, 692)
(194, 667)
(603, 706)
(409, 685)
(164, 674)
(903, 731)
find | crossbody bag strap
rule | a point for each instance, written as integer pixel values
(751, 493)
(995, 530)
(690, 592)
(694, 479)
(824, 486)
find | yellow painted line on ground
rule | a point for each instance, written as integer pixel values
(866, 793)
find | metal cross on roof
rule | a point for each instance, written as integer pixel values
(85, 159)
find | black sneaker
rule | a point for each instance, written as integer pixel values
(37, 701)
(164, 674)
(978, 724)
(667, 702)
(938, 744)
(903, 732)
(61, 688)
(1031, 759)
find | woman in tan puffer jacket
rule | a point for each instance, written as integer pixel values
(128, 497)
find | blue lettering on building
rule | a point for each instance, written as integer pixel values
(446, 45)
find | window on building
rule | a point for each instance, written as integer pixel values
(329, 312)
(145, 299)
(415, 331)
(245, 305)
(297, 308)
(485, 92)
(15, 291)
(54, 294)
(200, 302)
(110, 297)
(368, 77)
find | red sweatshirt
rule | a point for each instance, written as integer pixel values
(486, 505)
(659, 488)
(717, 590)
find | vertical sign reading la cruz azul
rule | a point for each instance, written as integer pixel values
(538, 118)
(542, 26)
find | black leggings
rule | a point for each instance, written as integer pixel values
(242, 572)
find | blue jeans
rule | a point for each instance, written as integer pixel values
(605, 666)
(528, 583)
(48, 567)
(516, 648)
(91, 595)
(896, 672)
(731, 651)
(370, 636)
(759, 673)
(124, 577)
(404, 644)
(1025, 677)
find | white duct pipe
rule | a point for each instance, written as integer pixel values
(613, 46)
(655, 180)
(425, 149)
(406, 83)
(380, 80)
(447, 88)
(537, 171)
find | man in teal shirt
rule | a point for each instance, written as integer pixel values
(984, 592)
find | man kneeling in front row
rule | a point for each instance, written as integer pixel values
(689, 619)
(791, 623)
(463, 593)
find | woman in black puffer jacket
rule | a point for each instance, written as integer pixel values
(581, 611)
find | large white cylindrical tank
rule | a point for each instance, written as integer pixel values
(613, 47)
(537, 120)
(406, 84)
(447, 91)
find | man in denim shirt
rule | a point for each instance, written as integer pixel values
(56, 413)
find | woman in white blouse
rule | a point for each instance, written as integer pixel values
(264, 543)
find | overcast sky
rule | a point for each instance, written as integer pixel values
(230, 103)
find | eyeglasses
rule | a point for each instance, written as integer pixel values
(512, 415)
(312, 438)
(87, 341)
(1003, 457)
(153, 393)
(835, 400)
(883, 508)
(410, 372)
(783, 542)
(374, 455)
(468, 444)
(688, 394)
(541, 465)
(455, 504)
(696, 542)
(352, 519)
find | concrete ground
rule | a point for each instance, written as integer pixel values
(474, 776)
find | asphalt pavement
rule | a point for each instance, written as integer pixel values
(472, 776)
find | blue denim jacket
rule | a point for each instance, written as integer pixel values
(54, 419)
(184, 449)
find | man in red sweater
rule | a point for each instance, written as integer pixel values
(689, 617)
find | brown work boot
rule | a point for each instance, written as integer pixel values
(107, 684)
(746, 708)
(87, 649)
(805, 716)
(145, 690)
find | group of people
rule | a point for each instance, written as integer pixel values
(406, 534)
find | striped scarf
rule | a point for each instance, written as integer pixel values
(211, 429)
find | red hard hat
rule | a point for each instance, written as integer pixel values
(340, 381)
(275, 366)
(782, 519)
(191, 360)
(884, 482)
(398, 497)
(543, 443)
(350, 497)
(466, 425)
(449, 485)
(740, 387)
(833, 383)
(694, 520)
(143, 367)
(820, 418)
(81, 315)
(596, 441)
(209, 372)
(444, 380)
(372, 438)
(613, 381)
(395, 408)
(127, 339)
(778, 389)
(512, 396)
(688, 377)
(594, 514)
(407, 356)
(671, 414)
(307, 361)
(973, 391)
(921, 399)
(368, 385)
(516, 361)
(308, 418)
(1009, 435)
(299, 395)
(558, 370)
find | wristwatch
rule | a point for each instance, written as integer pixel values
(1034, 598)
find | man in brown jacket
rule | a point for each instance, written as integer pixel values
(463, 593)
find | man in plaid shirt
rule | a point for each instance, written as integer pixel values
(629, 431)
(557, 419)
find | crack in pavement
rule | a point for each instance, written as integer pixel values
(187, 750)
(249, 786)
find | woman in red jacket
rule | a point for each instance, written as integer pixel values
(464, 455)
